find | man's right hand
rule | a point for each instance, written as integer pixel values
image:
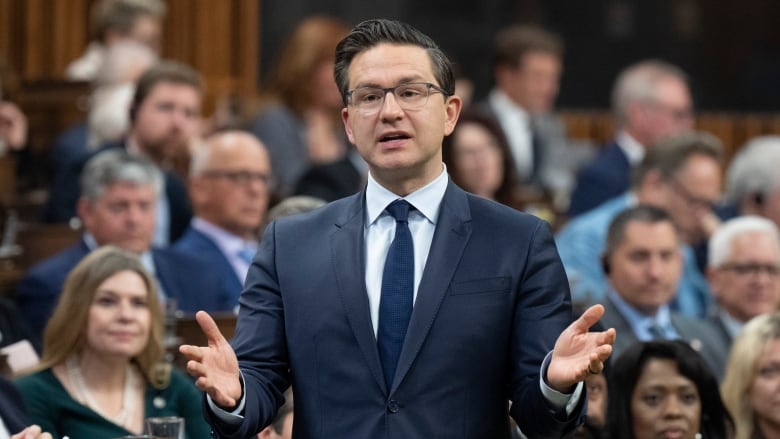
(214, 367)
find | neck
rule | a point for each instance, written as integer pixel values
(403, 182)
(102, 372)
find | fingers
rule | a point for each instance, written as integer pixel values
(588, 318)
(222, 400)
(194, 353)
(209, 328)
(31, 432)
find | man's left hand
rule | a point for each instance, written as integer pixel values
(578, 353)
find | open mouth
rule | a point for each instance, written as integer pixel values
(391, 137)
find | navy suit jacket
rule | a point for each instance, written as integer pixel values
(12, 409)
(195, 243)
(606, 177)
(187, 279)
(65, 192)
(491, 302)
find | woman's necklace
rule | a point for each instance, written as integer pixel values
(84, 396)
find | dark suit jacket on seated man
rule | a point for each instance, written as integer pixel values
(459, 320)
(650, 100)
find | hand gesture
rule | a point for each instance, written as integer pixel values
(214, 367)
(32, 432)
(578, 352)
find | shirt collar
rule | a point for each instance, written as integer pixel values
(732, 325)
(634, 150)
(638, 320)
(426, 200)
(229, 243)
(504, 106)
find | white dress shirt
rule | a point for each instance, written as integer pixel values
(516, 125)
(634, 150)
(4, 433)
(379, 231)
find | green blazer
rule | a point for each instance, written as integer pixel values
(50, 406)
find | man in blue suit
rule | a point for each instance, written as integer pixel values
(229, 187)
(412, 309)
(650, 100)
(117, 206)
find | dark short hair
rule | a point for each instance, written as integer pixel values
(164, 71)
(371, 33)
(670, 154)
(716, 423)
(512, 43)
(616, 232)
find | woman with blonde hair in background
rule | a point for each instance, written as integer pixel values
(103, 371)
(751, 388)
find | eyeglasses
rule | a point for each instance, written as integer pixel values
(691, 199)
(409, 96)
(752, 269)
(242, 178)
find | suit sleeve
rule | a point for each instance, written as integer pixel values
(542, 312)
(260, 345)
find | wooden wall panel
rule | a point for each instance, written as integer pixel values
(218, 38)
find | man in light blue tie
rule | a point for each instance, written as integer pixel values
(229, 184)
(412, 309)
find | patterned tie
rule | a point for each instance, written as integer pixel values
(656, 331)
(395, 305)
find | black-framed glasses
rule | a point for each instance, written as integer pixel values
(692, 199)
(242, 178)
(409, 96)
(752, 269)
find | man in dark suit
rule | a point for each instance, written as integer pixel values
(229, 185)
(412, 309)
(650, 100)
(527, 66)
(164, 117)
(643, 263)
(117, 206)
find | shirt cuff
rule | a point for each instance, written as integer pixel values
(235, 417)
(555, 398)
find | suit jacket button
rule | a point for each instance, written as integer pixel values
(392, 406)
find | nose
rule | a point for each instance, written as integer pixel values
(390, 109)
(673, 408)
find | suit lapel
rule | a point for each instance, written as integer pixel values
(449, 240)
(347, 251)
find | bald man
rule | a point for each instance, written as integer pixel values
(229, 187)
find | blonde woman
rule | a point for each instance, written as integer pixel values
(751, 388)
(102, 371)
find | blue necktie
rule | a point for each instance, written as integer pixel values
(395, 305)
(247, 254)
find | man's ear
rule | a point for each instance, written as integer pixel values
(345, 118)
(452, 108)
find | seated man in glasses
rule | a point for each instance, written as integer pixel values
(744, 273)
(681, 175)
(229, 188)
